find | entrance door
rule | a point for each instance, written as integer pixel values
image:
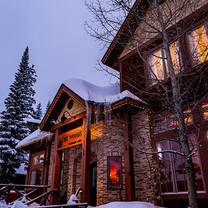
(93, 183)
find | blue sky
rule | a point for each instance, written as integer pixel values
(59, 46)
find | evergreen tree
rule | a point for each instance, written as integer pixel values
(18, 106)
(38, 113)
(48, 105)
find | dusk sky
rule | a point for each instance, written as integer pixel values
(59, 46)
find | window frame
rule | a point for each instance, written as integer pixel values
(36, 167)
(191, 129)
(190, 55)
(151, 82)
(170, 138)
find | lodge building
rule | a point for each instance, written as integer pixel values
(101, 138)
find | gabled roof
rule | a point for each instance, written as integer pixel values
(83, 92)
(122, 37)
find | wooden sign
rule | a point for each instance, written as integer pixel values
(71, 138)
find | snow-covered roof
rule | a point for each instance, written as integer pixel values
(33, 120)
(91, 92)
(33, 138)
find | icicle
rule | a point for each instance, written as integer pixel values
(107, 112)
(88, 114)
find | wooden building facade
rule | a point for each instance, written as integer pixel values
(84, 141)
(104, 140)
(137, 52)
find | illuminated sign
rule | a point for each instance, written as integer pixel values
(71, 138)
(114, 172)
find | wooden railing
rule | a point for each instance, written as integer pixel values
(32, 193)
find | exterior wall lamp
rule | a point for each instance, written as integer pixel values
(64, 116)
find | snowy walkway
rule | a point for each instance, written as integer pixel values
(133, 204)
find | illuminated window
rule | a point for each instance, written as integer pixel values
(198, 42)
(158, 67)
(38, 159)
(205, 111)
(169, 121)
(36, 168)
(172, 167)
(114, 172)
(188, 117)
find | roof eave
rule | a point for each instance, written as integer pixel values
(107, 58)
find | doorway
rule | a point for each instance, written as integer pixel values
(93, 183)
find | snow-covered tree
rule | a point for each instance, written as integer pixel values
(38, 112)
(48, 105)
(18, 106)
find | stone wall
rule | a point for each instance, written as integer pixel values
(143, 163)
(110, 144)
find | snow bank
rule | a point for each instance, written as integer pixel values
(33, 138)
(132, 204)
(3, 204)
(91, 92)
(18, 204)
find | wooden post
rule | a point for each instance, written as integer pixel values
(27, 179)
(128, 160)
(85, 172)
(55, 171)
(46, 163)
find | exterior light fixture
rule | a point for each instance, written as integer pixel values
(64, 117)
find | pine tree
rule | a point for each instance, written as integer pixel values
(48, 105)
(38, 113)
(18, 106)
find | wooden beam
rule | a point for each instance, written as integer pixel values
(69, 120)
(128, 160)
(56, 164)
(46, 163)
(85, 172)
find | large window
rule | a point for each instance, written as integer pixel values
(36, 168)
(172, 167)
(198, 42)
(169, 121)
(205, 111)
(158, 66)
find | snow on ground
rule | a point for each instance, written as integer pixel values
(3, 204)
(18, 204)
(90, 92)
(33, 138)
(132, 204)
